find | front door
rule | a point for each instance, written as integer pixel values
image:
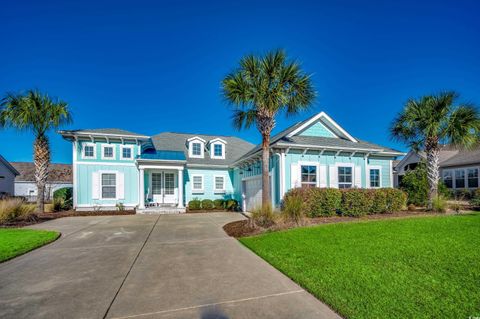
(163, 188)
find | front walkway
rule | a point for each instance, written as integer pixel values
(146, 266)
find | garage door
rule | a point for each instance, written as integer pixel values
(252, 191)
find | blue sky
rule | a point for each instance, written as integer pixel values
(155, 66)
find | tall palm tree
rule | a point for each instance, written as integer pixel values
(36, 112)
(260, 88)
(426, 123)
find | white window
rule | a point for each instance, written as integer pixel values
(374, 175)
(196, 146)
(459, 178)
(447, 179)
(219, 184)
(308, 175)
(108, 151)
(88, 150)
(472, 177)
(109, 188)
(345, 177)
(126, 152)
(197, 183)
(217, 148)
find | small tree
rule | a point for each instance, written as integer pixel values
(261, 88)
(38, 113)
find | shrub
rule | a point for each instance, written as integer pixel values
(63, 199)
(120, 206)
(415, 184)
(262, 216)
(439, 204)
(396, 199)
(11, 209)
(322, 201)
(356, 202)
(475, 201)
(463, 194)
(219, 204)
(231, 205)
(194, 204)
(293, 208)
(379, 201)
(411, 208)
(207, 204)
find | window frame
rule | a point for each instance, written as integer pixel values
(212, 150)
(215, 189)
(464, 177)
(352, 182)
(102, 186)
(374, 167)
(94, 150)
(306, 164)
(198, 190)
(450, 172)
(190, 147)
(104, 146)
(122, 147)
(468, 178)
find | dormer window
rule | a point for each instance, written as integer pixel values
(196, 146)
(217, 148)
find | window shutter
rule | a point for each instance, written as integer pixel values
(323, 176)
(120, 185)
(294, 175)
(358, 176)
(367, 177)
(95, 185)
(333, 176)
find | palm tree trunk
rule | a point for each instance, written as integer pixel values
(433, 174)
(265, 170)
(41, 151)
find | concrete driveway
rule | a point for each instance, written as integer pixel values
(149, 266)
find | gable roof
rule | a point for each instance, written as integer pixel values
(56, 172)
(113, 132)
(9, 165)
(234, 148)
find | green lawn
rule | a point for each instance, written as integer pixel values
(14, 242)
(408, 268)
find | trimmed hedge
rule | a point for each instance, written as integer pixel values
(219, 204)
(231, 205)
(207, 204)
(350, 202)
(194, 204)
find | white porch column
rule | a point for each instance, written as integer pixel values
(180, 188)
(141, 188)
(282, 174)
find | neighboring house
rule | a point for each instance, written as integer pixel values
(459, 168)
(170, 169)
(59, 176)
(7, 177)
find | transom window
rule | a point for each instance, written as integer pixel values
(197, 183)
(447, 179)
(126, 152)
(460, 178)
(88, 151)
(109, 185)
(219, 183)
(196, 149)
(374, 177)
(345, 177)
(472, 177)
(108, 151)
(309, 175)
(218, 150)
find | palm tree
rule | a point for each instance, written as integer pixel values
(36, 112)
(426, 123)
(259, 89)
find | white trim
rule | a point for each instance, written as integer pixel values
(88, 133)
(114, 149)
(198, 191)
(141, 188)
(314, 119)
(283, 175)
(100, 173)
(74, 172)
(212, 150)
(367, 175)
(122, 147)
(337, 165)
(215, 189)
(196, 138)
(309, 163)
(349, 149)
(148, 166)
(217, 140)
(190, 148)
(106, 163)
(94, 150)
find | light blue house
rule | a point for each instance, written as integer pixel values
(168, 170)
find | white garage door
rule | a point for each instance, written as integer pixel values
(252, 191)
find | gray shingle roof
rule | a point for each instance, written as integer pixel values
(56, 172)
(462, 157)
(105, 131)
(234, 149)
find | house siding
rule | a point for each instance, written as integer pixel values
(7, 180)
(208, 184)
(318, 129)
(98, 152)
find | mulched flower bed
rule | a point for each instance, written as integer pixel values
(242, 228)
(40, 218)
